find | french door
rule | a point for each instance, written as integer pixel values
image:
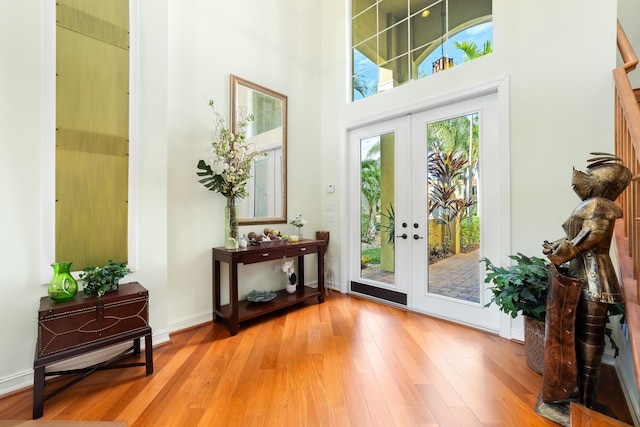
(426, 207)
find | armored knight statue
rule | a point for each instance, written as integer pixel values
(578, 295)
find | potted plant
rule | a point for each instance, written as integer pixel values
(100, 280)
(521, 288)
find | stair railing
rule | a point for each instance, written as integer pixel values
(627, 147)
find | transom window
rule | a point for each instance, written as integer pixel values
(397, 41)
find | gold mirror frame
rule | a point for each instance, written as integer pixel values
(275, 199)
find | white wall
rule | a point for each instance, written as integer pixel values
(20, 184)
(273, 43)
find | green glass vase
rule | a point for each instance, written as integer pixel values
(231, 229)
(62, 287)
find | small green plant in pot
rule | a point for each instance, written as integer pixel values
(522, 288)
(100, 280)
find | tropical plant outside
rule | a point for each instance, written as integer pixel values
(471, 51)
(370, 187)
(446, 206)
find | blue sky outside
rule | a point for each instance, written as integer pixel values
(478, 34)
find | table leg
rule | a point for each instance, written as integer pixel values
(136, 347)
(233, 298)
(216, 289)
(38, 392)
(300, 289)
(148, 354)
(320, 275)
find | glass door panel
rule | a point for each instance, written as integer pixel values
(458, 169)
(454, 221)
(379, 265)
(377, 192)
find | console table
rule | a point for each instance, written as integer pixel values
(236, 311)
(82, 325)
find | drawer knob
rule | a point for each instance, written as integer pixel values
(267, 254)
(303, 249)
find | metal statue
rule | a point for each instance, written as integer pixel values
(578, 295)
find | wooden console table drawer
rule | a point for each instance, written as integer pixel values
(299, 250)
(236, 311)
(263, 255)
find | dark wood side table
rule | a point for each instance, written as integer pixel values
(236, 311)
(72, 328)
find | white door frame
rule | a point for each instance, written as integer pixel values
(501, 241)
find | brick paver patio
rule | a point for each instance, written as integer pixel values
(457, 276)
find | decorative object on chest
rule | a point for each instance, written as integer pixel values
(100, 280)
(62, 287)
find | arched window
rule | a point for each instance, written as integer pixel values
(397, 41)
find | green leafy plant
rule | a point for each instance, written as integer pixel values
(390, 227)
(470, 233)
(521, 287)
(100, 280)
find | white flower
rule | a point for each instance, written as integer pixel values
(288, 268)
(298, 221)
(218, 167)
(231, 159)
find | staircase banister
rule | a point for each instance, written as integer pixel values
(629, 58)
(629, 104)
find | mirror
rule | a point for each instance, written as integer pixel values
(267, 187)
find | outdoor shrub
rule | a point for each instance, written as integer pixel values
(470, 234)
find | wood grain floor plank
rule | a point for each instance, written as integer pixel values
(347, 362)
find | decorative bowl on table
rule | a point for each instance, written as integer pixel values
(256, 296)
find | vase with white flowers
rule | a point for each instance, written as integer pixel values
(229, 168)
(299, 222)
(290, 271)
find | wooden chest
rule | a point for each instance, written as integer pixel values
(66, 325)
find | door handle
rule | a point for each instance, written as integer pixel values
(416, 237)
(404, 235)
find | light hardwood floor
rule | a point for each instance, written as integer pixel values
(347, 362)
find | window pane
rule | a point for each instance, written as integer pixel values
(419, 5)
(358, 6)
(394, 73)
(365, 76)
(454, 222)
(390, 12)
(394, 42)
(426, 29)
(363, 26)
